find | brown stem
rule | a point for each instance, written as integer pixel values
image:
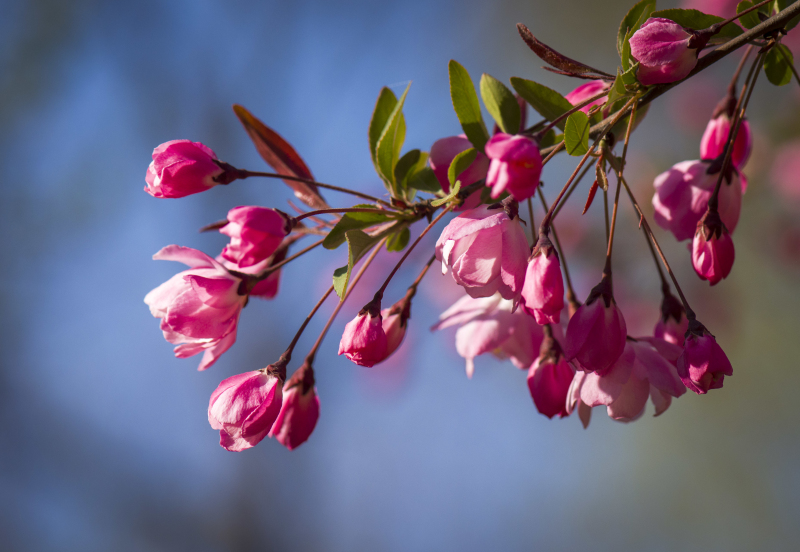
(735, 79)
(530, 216)
(571, 189)
(718, 26)
(246, 174)
(338, 210)
(422, 274)
(287, 355)
(553, 151)
(571, 297)
(269, 270)
(605, 212)
(575, 108)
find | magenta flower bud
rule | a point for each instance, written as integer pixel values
(255, 232)
(549, 379)
(703, 364)
(299, 411)
(586, 91)
(715, 137)
(244, 407)
(364, 341)
(515, 166)
(395, 323)
(666, 52)
(199, 308)
(712, 249)
(682, 195)
(596, 332)
(672, 324)
(181, 168)
(485, 250)
(543, 290)
(444, 150)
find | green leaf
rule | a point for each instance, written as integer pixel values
(449, 197)
(460, 163)
(631, 19)
(425, 180)
(390, 143)
(617, 90)
(750, 20)
(501, 103)
(358, 243)
(629, 76)
(380, 117)
(399, 240)
(697, 20)
(465, 102)
(777, 68)
(549, 103)
(550, 139)
(351, 221)
(781, 5)
(576, 133)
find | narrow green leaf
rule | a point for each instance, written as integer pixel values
(697, 20)
(630, 20)
(351, 221)
(399, 240)
(549, 103)
(390, 142)
(501, 103)
(776, 67)
(465, 102)
(380, 117)
(750, 20)
(358, 243)
(460, 163)
(405, 170)
(617, 89)
(425, 180)
(576, 133)
(449, 197)
(629, 76)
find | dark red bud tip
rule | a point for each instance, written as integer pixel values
(230, 173)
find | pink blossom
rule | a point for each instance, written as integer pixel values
(543, 290)
(515, 167)
(682, 195)
(712, 250)
(596, 332)
(244, 407)
(715, 137)
(665, 51)
(586, 91)
(645, 369)
(364, 341)
(199, 308)
(549, 379)
(672, 324)
(444, 150)
(395, 323)
(181, 168)
(485, 249)
(299, 411)
(489, 324)
(703, 364)
(255, 233)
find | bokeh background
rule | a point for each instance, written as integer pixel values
(104, 439)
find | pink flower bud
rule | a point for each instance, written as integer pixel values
(703, 364)
(672, 324)
(486, 249)
(444, 150)
(712, 250)
(543, 290)
(255, 232)
(515, 167)
(596, 332)
(181, 168)
(666, 52)
(299, 411)
(244, 407)
(199, 308)
(395, 323)
(715, 137)
(364, 341)
(549, 379)
(586, 91)
(682, 195)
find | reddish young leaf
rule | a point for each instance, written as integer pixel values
(590, 199)
(281, 157)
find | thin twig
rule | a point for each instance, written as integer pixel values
(571, 297)
(247, 174)
(287, 355)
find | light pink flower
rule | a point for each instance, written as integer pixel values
(199, 308)
(665, 51)
(180, 168)
(255, 233)
(442, 153)
(515, 166)
(672, 324)
(299, 411)
(596, 332)
(586, 91)
(543, 290)
(645, 369)
(712, 250)
(682, 195)
(715, 137)
(486, 250)
(364, 341)
(244, 407)
(703, 364)
(489, 324)
(549, 380)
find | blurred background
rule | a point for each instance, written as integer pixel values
(105, 440)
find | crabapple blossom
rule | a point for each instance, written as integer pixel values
(715, 138)
(364, 341)
(543, 290)
(199, 308)
(255, 233)
(444, 150)
(395, 323)
(712, 250)
(485, 250)
(299, 411)
(549, 379)
(244, 408)
(181, 168)
(666, 52)
(515, 166)
(586, 91)
(672, 324)
(703, 364)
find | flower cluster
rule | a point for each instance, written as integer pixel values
(518, 300)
